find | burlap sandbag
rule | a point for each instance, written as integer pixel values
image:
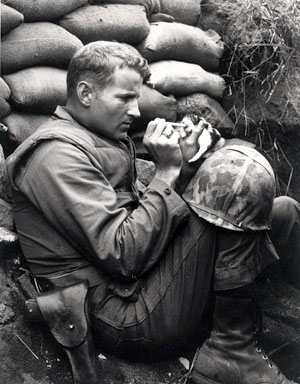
(153, 104)
(22, 125)
(35, 44)
(176, 41)
(4, 188)
(38, 89)
(204, 106)
(5, 94)
(184, 11)
(44, 10)
(157, 17)
(151, 6)
(5, 91)
(5, 108)
(145, 170)
(179, 78)
(123, 23)
(10, 18)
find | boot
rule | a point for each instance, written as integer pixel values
(232, 354)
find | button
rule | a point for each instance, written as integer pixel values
(167, 191)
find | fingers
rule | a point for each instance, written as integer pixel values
(173, 137)
(168, 131)
(159, 129)
(155, 128)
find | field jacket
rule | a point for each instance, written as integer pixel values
(79, 209)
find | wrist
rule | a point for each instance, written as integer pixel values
(168, 175)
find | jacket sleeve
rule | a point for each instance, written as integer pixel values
(77, 199)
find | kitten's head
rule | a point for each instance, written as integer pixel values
(209, 140)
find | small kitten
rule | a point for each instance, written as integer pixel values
(210, 139)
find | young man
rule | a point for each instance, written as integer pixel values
(150, 261)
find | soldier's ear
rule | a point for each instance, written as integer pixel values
(84, 93)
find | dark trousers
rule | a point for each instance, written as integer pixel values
(285, 235)
(172, 303)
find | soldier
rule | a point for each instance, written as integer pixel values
(150, 261)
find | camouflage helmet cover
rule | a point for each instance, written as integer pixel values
(234, 188)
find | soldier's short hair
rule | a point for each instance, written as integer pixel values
(98, 61)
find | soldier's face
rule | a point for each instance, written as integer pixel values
(113, 108)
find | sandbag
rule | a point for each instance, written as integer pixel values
(156, 17)
(184, 11)
(4, 185)
(123, 23)
(5, 108)
(10, 18)
(151, 6)
(22, 125)
(5, 92)
(44, 10)
(38, 89)
(153, 104)
(35, 44)
(204, 106)
(145, 170)
(179, 78)
(176, 41)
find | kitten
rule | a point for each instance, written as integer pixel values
(209, 140)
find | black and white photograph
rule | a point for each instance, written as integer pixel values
(150, 192)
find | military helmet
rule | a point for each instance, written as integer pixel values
(234, 188)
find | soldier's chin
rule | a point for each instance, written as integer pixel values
(122, 135)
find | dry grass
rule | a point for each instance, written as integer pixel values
(263, 45)
(263, 38)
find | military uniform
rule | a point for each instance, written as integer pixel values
(151, 262)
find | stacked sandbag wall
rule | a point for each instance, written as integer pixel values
(40, 37)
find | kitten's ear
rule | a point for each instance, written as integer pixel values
(192, 117)
(195, 118)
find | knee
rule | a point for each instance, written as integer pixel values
(285, 209)
(285, 229)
